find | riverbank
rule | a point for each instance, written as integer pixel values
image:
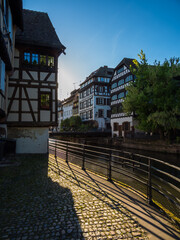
(104, 139)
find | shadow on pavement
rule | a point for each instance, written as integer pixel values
(33, 206)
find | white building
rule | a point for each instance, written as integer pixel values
(70, 106)
(94, 97)
(121, 123)
(32, 93)
(60, 114)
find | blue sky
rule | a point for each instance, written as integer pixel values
(103, 32)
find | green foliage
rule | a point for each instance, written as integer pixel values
(74, 123)
(65, 125)
(155, 95)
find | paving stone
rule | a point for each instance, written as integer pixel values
(62, 206)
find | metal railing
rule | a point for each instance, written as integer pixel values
(154, 178)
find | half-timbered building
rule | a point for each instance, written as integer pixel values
(32, 106)
(10, 19)
(94, 101)
(121, 123)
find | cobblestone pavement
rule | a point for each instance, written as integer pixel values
(41, 202)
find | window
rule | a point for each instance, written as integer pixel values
(42, 59)
(50, 61)
(101, 89)
(114, 85)
(120, 109)
(114, 97)
(27, 57)
(34, 58)
(91, 114)
(108, 113)
(120, 70)
(100, 113)
(100, 101)
(121, 82)
(121, 95)
(91, 101)
(129, 78)
(114, 110)
(126, 126)
(115, 126)
(45, 101)
(108, 101)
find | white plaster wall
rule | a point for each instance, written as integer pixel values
(25, 76)
(16, 63)
(34, 105)
(30, 140)
(67, 111)
(43, 75)
(25, 106)
(120, 122)
(32, 93)
(16, 53)
(15, 74)
(44, 116)
(12, 117)
(15, 105)
(34, 75)
(51, 77)
(26, 117)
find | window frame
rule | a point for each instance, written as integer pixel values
(50, 101)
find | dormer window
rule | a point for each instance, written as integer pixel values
(42, 59)
(27, 57)
(34, 58)
(37, 59)
(50, 61)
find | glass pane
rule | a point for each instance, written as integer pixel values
(50, 61)
(34, 58)
(27, 57)
(45, 101)
(42, 59)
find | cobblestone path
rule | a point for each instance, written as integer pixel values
(44, 201)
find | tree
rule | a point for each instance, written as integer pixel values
(75, 122)
(154, 96)
(65, 124)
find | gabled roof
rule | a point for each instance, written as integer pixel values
(102, 72)
(38, 31)
(127, 62)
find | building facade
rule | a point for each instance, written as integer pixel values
(10, 20)
(75, 110)
(70, 106)
(60, 114)
(32, 95)
(121, 124)
(94, 97)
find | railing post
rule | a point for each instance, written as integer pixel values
(132, 158)
(149, 187)
(109, 167)
(67, 153)
(55, 151)
(48, 146)
(83, 161)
